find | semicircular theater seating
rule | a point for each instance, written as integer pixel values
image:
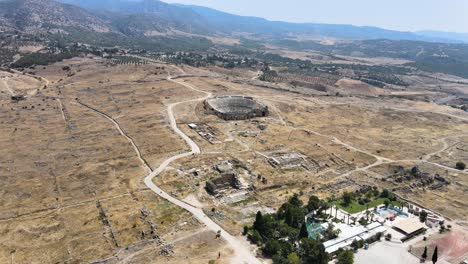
(235, 107)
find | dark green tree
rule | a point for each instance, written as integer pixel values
(287, 231)
(256, 237)
(385, 193)
(435, 257)
(246, 230)
(347, 198)
(424, 254)
(313, 204)
(423, 216)
(294, 216)
(278, 259)
(355, 244)
(272, 247)
(312, 252)
(286, 247)
(323, 207)
(303, 233)
(293, 258)
(386, 202)
(331, 232)
(295, 201)
(345, 257)
(259, 223)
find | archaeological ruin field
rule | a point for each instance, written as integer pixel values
(78, 144)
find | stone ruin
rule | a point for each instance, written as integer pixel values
(291, 160)
(235, 107)
(417, 178)
(228, 178)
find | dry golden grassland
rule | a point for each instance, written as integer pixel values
(72, 185)
(395, 130)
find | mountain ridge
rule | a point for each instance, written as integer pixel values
(345, 31)
(211, 21)
(45, 15)
(154, 18)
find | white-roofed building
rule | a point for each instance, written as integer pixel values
(350, 233)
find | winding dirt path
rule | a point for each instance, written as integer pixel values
(121, 131)
(242, 253)
(241, 248)
(383, 160)
(7, 87)
(29, 92)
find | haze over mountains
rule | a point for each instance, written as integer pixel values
(153, 18)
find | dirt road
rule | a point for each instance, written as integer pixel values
(242, 252)
(7, 87)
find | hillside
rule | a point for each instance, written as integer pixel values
(229, 23)
(146, 17)
(38, 16)
(40, 21)
(154, 18)
(203, 20)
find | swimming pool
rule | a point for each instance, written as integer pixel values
(387, 212)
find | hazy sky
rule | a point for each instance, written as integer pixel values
(405, 15)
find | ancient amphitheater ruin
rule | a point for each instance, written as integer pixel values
(235, 107)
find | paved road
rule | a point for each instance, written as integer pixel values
(241, 248)
(385, 253)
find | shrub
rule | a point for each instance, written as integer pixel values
(363, 221)
(386, 202)
(272, 247)
(378, 236)
(372, 239)
(246, 230)
(293, 258)
(355, 245)
(388, 237)
(345, 257)
(442, 229)
(460, 166)
(256, 237)
(361, 243)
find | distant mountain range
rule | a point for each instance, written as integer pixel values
(462, 37)
(153, 18)
(229, 23)
(43, 15)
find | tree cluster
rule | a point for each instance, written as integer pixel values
(283, 236)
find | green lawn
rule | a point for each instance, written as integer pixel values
(355, 207)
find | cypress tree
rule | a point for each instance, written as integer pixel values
(435, 256)
(259, 223)
(303, 232)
